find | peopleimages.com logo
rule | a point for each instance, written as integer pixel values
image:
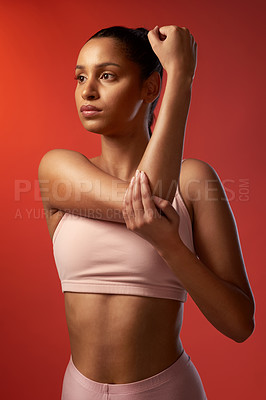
(62, 190)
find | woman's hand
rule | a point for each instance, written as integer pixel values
(142, 217)
(176, 49)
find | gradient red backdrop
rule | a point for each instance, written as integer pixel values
(39, 45)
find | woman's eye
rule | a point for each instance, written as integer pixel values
(106, 73)
(79, 78)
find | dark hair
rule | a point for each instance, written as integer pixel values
(137, 48)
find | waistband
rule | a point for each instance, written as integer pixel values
(133, 387)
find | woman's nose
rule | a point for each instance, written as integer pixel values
(89, 89)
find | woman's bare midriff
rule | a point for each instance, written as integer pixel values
(120, 338)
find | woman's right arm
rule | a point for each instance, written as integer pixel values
(162, 158)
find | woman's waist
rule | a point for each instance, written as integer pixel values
(105, 314)
(110, 331)
(127, 365)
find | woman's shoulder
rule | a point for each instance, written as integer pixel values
(195, 162)
(193, 175)
(195, 171)
(57, 163)
(55, 158)
(196, 168)
(62, 153)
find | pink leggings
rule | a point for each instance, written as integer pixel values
(180, 381)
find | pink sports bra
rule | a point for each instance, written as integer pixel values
(96, 256)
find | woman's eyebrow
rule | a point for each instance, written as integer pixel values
(98, 65)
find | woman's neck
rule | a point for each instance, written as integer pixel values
(121, 155)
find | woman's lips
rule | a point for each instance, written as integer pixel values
(88, 110)
(90, 113)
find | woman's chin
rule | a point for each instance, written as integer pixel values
(90, 127)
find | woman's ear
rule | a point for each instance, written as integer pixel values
(152, 87)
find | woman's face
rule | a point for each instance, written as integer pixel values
(115, 89)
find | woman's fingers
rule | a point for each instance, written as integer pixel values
(133, 208)
(167, 208)
(137, 200)
(128, 212)
(150, 210)
(168, 29)
(174, 46)
(143, 218)
(138, 203)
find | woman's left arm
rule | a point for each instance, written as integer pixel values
(216, 279)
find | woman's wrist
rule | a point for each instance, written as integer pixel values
(182, 78)
(169, 249)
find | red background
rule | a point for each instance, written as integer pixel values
(39, 45)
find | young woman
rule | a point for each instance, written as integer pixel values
(126, 260)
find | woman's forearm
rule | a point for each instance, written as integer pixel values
(162, 158)
(225, 306)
